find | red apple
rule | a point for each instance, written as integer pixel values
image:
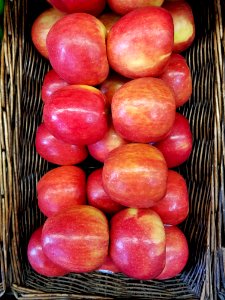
(122, 7)
(77, 49)
(97, 196)
(173, 207)
(176, 252)
(108, 266)
(108, 20)
(138, 243)
(135, 175)
(41, 27)
(136, 50)
(38, 260)
(76, 115)
(56, 151)
(77, 239)
(60, 189)
(143, 110)
(101, 149)
(184, 24)
(93, 7)
(52, 82)
(111, 85)
(178, 77)
(177, 146)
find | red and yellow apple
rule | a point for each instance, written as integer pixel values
(184, 24)
(56, 151)
(101, 149)
(122, 7)
(178, 76)
(143, 110)
(77, 239)
(41, 27)
(52, 82)
(174, 206)
(135, 175)
(38, 260)
(60, 189)
(138, 243)
(141, 42)
(76, 115)
(177, 252)
(93, 7)
(77, 49)
(177, 146)
(97, 196)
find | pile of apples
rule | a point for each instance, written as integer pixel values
(116, 82)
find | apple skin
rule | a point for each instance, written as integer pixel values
(128, 163)
(77, 49)
(52, 82)
(56, 151)
(177, 146)
(135, 51)
(173, 208)
(77, 239)
(76, 115)
(101, 149)
(111, 85)
(41, 27)
(60, 189)
(138, 243)
(176, 253)
(184, 24)
(108, 20)
(97, 196)
(178, 77)
(93, 7)
(108, 266)
(38, 260)
(122, 7)
(143, 110)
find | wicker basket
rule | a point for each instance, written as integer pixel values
(22, 71)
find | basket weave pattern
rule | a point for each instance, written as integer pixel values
(22, 72)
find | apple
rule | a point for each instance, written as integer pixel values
(76, 115)
(184, 24)
(38, 260)
(138, 243)
(93, 7)
(56, 151)
(97, 196)
(52, 82)
(108, 20)
(41, 27)
(77, 49)
(178, 76)
(108, 266)
(136, 50)
(143, 110)
(111, 85)
(101, 149)
(122, 7)
(174, 206)
(135, 175)
(77, 239)
(61, 189)
(176, 252)
(177, 146)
